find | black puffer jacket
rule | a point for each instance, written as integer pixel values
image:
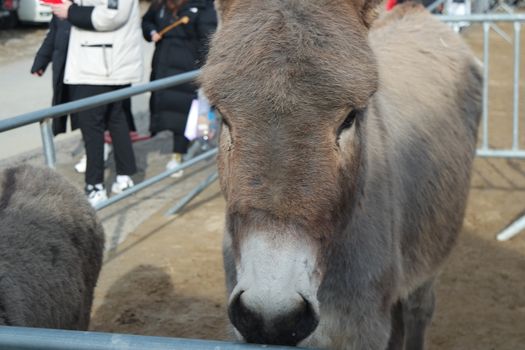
(181, 50)
(54, 49)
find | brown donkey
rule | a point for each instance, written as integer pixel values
(345, 160)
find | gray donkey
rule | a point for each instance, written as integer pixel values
(345, 159)
(51, 247)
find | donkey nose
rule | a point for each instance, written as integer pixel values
(294, 321)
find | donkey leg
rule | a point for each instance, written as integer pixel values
(397, 332)
(418, 311)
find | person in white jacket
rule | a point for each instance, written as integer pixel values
(104, 54)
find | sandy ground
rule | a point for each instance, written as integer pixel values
(167, 278)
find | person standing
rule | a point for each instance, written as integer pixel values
(104, 54)
(179, 50)
(54, 50)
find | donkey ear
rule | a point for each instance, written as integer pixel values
(223, 8)
(369, 9)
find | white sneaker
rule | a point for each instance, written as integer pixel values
(96, 194)
(172, 164)
(80, 167)
(122, 183)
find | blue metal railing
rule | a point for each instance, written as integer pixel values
(94, 101)
(43, 117)
(18, 338)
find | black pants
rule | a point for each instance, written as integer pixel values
(180, 143)
(93, 123)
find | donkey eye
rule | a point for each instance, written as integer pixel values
(348, 122)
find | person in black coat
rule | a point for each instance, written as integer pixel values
(180, 50)
(54, 49)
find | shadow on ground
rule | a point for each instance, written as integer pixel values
(160, 308)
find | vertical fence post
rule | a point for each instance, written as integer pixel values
(517, 59)
(486, 38)
(47, 142)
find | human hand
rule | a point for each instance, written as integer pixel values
(61, 10)
(155, 37)
(38, 73)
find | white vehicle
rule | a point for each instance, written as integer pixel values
(32, 11)
(25, 11)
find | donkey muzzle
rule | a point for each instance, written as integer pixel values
(293, 323)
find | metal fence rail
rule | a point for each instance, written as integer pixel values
(44, 117)
(94, 101)
(157, 178)
(18, 338)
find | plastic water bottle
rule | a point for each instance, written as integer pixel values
(203, 122)
(213, 124)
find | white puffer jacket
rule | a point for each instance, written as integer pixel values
(105, 45)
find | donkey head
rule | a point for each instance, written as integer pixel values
(292, 80)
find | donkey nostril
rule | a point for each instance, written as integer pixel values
(286, 328)
(296, 325)
(246, 321)
(307, 320)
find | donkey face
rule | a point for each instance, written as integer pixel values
(292, 80)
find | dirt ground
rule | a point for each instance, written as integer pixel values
(167, 278)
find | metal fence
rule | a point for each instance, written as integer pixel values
(12, 338)
(487, 20)
(18, 338)
(44, 117)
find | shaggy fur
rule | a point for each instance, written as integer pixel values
(383, 201)
(51, 246)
